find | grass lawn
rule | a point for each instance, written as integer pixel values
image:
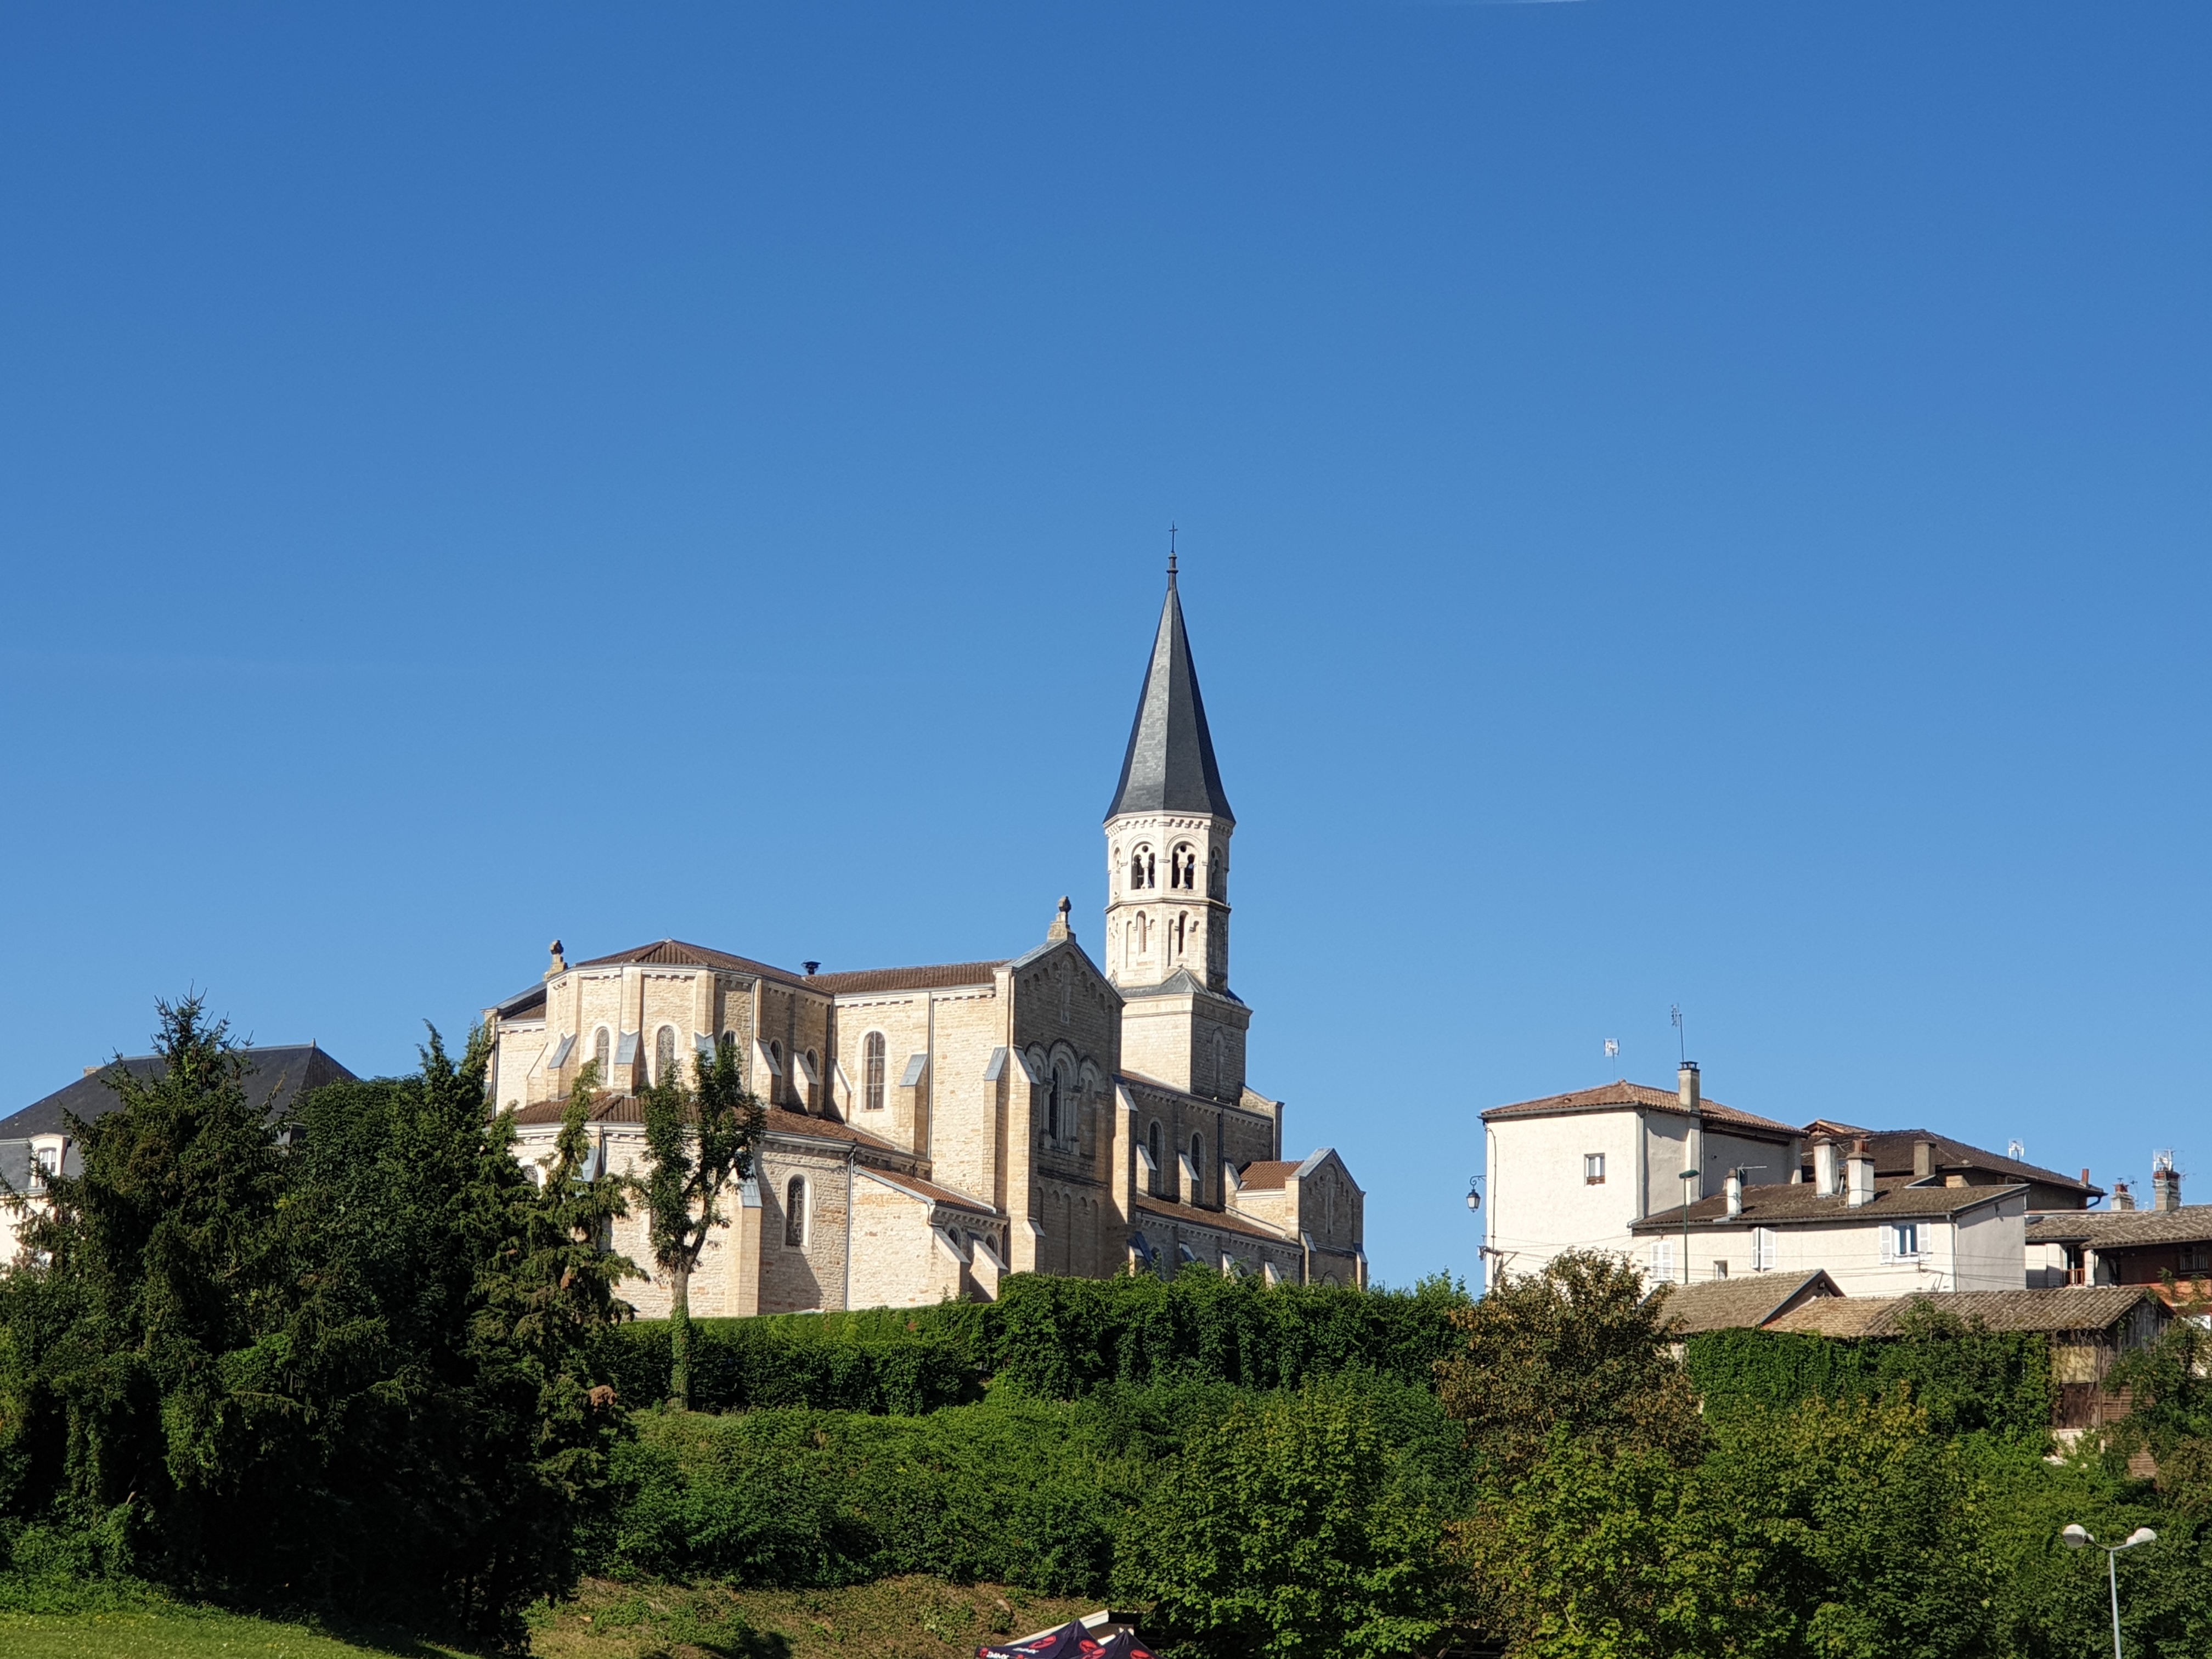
(897, 1619)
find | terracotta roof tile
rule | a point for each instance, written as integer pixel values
(674, 953)
(2069, 1308)
(1267, 1176)
(929, 976)
(781, 1120)
(2109, 1230)
(935, 1193)
(1612, 1096)
(1190, 1215)
(1892, 1151)
(1800, 1201)
(1719, 1304)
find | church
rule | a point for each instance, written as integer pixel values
(932, 1128)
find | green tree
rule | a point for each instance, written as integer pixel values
(698, 1139)
(1283, 1530)
(1576, 1348)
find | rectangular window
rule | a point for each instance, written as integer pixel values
(1764, 1252)
(1901, 1241)
(1662, 1258)
(1593, 1169)
(1720, 1270)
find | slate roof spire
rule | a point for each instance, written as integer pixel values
(1170, 767)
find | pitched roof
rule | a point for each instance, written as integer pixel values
(1720, 1305)
(675, 953)
(933, 1193)
(2067, 1308)
(2109, 1230)
(277, 1076)
(1892, 1151)
(1269, 1173)
(1227, 1221)
(928, 976)
(1779, 1202)
(1169, 766)
(1612, 1097)
(781, 1122)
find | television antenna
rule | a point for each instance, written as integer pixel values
(1613, 1048)
(2016, 1151)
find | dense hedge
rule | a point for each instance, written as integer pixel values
(1012, 1490)
(1969, 1380)
(1048, 1338)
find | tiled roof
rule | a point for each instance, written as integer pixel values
(1893, 1155)
(1169, 766)
(934, 1194)
(523, 1005)
(1226, 1221)
(929, 976)
(1720, 1305)
(1270, 1174)
(1612, 1097)
(674, 953)
(1800, 1201)
(781, 1122)
(275, 1078)
(2112, 1229)
(2069, 1308)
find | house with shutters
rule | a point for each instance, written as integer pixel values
(931, 1129)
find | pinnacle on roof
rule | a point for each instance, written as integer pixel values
(1171, 767)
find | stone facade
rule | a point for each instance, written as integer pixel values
(932, 1128)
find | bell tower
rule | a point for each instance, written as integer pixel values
(1167, 882)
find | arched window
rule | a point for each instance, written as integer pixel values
(1144, 934)
(1143, 868)
(795, 1214)
(1175, 938)
(1057, 1103)
(601, 1050)
(812, 1078)
(664, 1055)
(1198, 1168)
(1152, 1146)
(1182, 868)
(872, 1072)
(1215, 883)
(775, 1070)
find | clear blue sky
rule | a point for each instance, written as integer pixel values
(1681, 502)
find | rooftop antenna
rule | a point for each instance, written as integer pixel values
(1681, 1036)
(2162, 1159)
(1171, 556)
(1613, 1048)
(2016, 1151)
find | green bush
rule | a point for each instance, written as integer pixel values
(1013, 1489)
(743, 1364)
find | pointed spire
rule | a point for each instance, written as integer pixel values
(1171, 767)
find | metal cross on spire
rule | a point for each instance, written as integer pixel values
(1171, 556)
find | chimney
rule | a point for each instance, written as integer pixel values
(1694, 1144)
(1923, 1159)
(2122, 1198)
(1827, 1179)
(1687, 1083)
(2165, 1187)
(2085, 1177)
(1858, 1175)
(1735, 1193)
(812, 968)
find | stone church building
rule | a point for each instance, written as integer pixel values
(931, 1129)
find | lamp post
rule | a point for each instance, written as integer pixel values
(1688, 1176)
(2078, 1536)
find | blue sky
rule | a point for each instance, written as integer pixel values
(1687, 503)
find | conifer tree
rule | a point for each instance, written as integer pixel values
(698, 1140)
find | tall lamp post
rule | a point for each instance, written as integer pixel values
(2079, 1537)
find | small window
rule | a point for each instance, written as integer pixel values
(795, 1214)
(1198, 1168)
(1593, 1169)
(872, 1072)
(602, 1049)
(1720, 1270)
(774, 1071)
(664, 1055)
(1764, 1252)
(1152, 1146)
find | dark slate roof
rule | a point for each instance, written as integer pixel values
(1772, 1204)
(1612, 1097)
(1171, 767)
(278, 1076)
(2118, 1230)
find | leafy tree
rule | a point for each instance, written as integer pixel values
(352, 1374)
(1281, 1531)
(698, 1140)
(1576, 1348)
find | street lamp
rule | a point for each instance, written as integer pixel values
(2078, 1537)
